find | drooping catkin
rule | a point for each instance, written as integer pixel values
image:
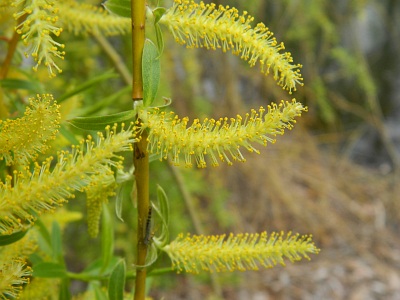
(206, 25)
(239, 252)
(23, 138)
(220, 140)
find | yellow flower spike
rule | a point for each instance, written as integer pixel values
(204, 25)
(14, 274)
(39, 289)
(83, 18)
(14, 271)
(36, 31)
(33, 193)
(100, 188)
(23, 138)
(220, 139)
(44, 21)
(240, 252)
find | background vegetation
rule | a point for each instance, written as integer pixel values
(336, 175)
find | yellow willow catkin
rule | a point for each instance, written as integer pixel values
(38, 288)
(221, 139)
(14, 271)
(31, 193)
(14, 274)
(212, 27)
(97, 191)
(241, 252)
(83, 18)
(46, 20)
(37, 31)
(23, 138)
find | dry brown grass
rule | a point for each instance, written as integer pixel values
(353, 213)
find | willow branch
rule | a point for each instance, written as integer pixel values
(140, 156)
(138, 23)
(12, 46)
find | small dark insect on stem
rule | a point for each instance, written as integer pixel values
(147, 235)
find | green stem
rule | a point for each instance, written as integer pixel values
(138, 23)
(140, 155)
(141, 162)
(86, 277)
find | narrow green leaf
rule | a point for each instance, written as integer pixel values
(95, 81)
(152, 255)
(107, 238)
(56, 243)
(123, 192)
(105, 102)
(118, 203)
(158, 12)
(164, 205)
(68, 135)
(100, 122)
(49, 270)
(99, 293)
(95, 268)
(35, 258)
(151, 71)
(160, 39)
(12, 238)
(65, 294)
(119, 7)
(44, 237)
(167, 102)
(163, 213)
(117, 281)
(20, 84)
